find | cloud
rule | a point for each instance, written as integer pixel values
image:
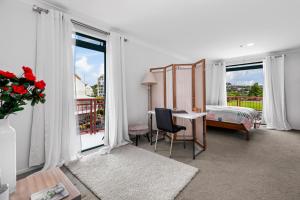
(246, 77)
(101, 69)
(82, 64)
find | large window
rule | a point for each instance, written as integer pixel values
(244, 84)
(89, 78)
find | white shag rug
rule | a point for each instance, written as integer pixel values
(132, 173)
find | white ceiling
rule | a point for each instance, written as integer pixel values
(212, 29)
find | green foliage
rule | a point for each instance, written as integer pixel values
(233, 93)
(255, 90)
(95, 90)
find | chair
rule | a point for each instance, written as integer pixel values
(164, 122)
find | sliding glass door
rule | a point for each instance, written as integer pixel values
(89, 79)
(244, 84)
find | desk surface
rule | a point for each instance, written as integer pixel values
(42, 180)
(189, 115)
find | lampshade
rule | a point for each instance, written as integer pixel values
(149, 79)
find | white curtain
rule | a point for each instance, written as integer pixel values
(116, 123)
(54, 136)
(216, 84)
(274, 108)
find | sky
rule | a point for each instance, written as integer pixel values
(89, 65)
(245, 77)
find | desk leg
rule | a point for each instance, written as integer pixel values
(151, 136)
(194, 136)
(204, 133)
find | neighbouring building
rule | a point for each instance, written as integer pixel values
(82, 90)
(101, 88)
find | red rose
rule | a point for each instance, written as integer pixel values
(40, 84)
(29, 76)
(41, 95)
(27, 69)
(5, 88)
(7, 74)
(19, 89)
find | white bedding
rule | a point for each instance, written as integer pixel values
(232, 114)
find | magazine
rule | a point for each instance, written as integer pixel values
(54, 193)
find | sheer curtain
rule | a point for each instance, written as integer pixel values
(274, 108)
(54, 136)
(216, 84)
(116, 123)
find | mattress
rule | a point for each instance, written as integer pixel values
(232, 114)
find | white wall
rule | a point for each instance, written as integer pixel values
(139, 58)
(292, 88)
(17, 39)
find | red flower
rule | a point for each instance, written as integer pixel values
(5, 88)
(40, 84)
(7, 74)
(27, 69)
(29, 76)
(41, 95)
(19, 89)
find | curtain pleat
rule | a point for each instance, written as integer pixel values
(54, 135)
(116, 122)
(274, 107)
(216, 85)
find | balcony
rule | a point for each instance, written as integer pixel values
(246, 101)
(90, 115)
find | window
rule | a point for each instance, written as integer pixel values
(244, 84)
(89, 78)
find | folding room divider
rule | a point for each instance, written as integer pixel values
(181, 87)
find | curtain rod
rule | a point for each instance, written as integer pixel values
(39, 9)
(89, 27)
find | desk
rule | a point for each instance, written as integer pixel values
(192, 116)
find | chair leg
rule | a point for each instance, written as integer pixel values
(136, 140)
(184, 139)
(172, 138)
(147, 135)
(156, 140)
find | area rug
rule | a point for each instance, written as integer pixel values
(131, 173)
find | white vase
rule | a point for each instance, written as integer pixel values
(8, 154)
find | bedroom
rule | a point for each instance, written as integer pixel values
(119, 43)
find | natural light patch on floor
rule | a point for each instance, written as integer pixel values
(91, 140)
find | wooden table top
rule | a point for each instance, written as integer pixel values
(42, 180)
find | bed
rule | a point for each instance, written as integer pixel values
(232, 117)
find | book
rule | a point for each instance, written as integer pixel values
(53, 193)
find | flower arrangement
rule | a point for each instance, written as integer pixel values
(15, 91)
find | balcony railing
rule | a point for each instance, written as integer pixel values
(90, 114)
(246, 101)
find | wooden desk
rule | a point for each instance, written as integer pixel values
(42, 180)
(192, 116)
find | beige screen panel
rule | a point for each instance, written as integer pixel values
(184, 96)
(169, 87)
(199, 86)
(157, 90)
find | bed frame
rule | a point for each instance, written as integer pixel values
(228, 125)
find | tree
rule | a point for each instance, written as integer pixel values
(95, 89)
(255, 90)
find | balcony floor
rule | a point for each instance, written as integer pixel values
(91, 140)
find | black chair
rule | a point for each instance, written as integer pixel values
(164, 122)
